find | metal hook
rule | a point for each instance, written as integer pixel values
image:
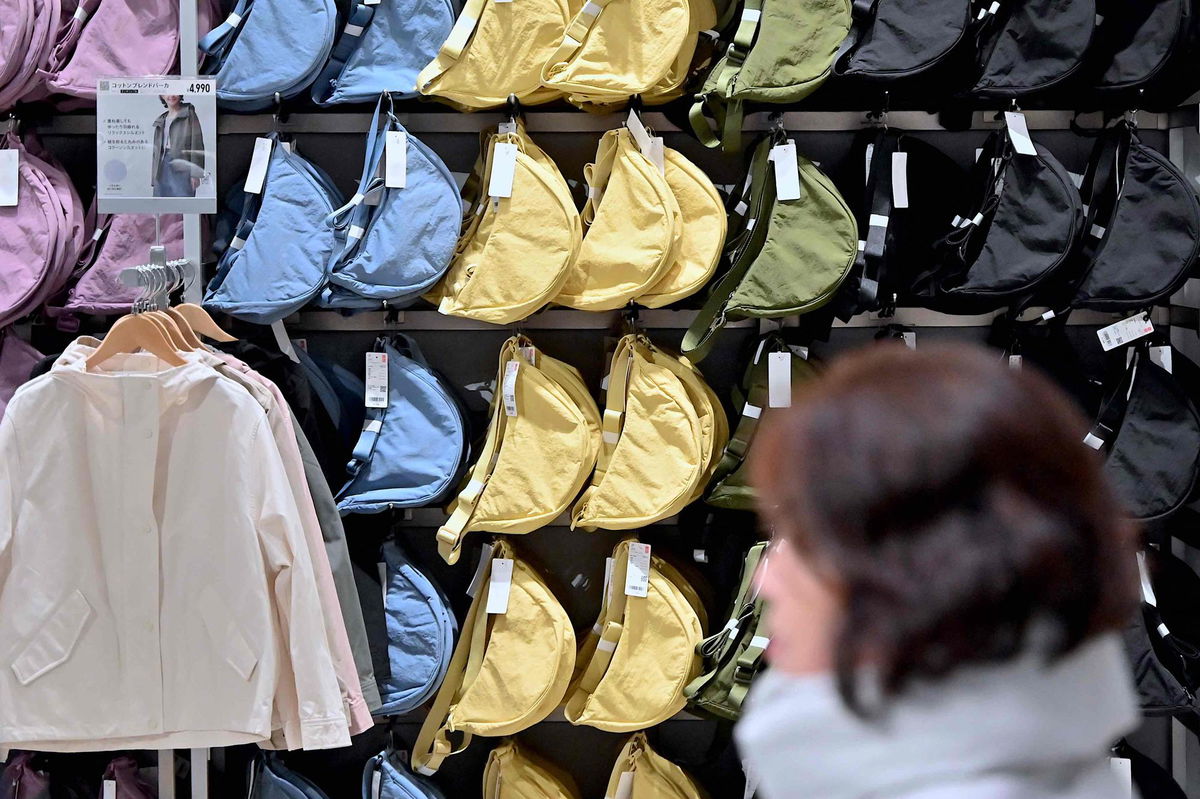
(280, 117)
(512, 108)
(391, 107)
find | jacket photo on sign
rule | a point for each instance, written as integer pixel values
(179, 163)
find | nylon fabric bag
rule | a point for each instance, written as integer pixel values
(729, 486)
(766, 62)
(892, 40)
(411, 453)
(478, 65)
(17, 361)
(516, 772)
(1143, 225)
(124, 772)
(1021, 229)
(614, 49)
(27, 33)
(1149, 430)
(277, 262)
(634, 228)
(270, 779)
(393, 244)
(509, 671)
(640, 655)
(268, 47)
(420, 634)
(1026, 46)
(21, 779)
(662, 433)
(733, 656)
(381, 48)
(387, 777)
(515, 253)
(533, 462)
(785, 257)
(651, 776)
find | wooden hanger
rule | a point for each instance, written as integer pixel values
(130, 334)
(202, 323)
(185, 328)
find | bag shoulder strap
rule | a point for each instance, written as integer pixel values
(352, 34)
(728, 113)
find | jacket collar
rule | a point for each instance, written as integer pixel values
(106, 381)
(1018, 717)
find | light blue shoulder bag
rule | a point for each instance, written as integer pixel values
(420, 634)
(269, 47)
(412, 452)
(394, 244)
(382, 48)
(386, 777)
(276, 263)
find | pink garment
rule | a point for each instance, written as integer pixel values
(339, 642)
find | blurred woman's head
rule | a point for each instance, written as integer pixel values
(934, 509)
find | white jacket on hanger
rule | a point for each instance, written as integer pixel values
(155, 587)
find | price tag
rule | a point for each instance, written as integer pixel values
(787, 171)
(1122, 769)
(1125, 331)
(1018, 133)
(1015, 362)
(658, 154)
(510, 387)
(259, 162)
(625, 786)
(376, 784)
(641, 136)
(899, 180)
(9, 177)
(608, 570)
(110, 789)
(1163, 357)
(779, 379)
(395, 174)
(909, 337)
(500, 586)
(377, 380)
(530, 355)
(485, 557)
(637, 576)
(504, 169)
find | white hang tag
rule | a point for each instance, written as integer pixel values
(10, 160)
(658, 154)
(530, 354)
(259, 162)
(288, 146)
(637, 576)
(625, 786)
(608, 572)
(909, 337)
(899, 180)
(504, 169)
(779, 379)
(500, 586)
(870, 158)
(1015, 362)
(382, 567)
(506, 127)
(641, 136)
(751, 780)
(110, 789)
(1122, 769)
(485, 557)
(1018, 133)
(376, 784)
(377, 380)
(1163, 357)
(510, 387)
(1125, 331)
(395, 174)
(283, 342)
(787, 171)
(700, 555)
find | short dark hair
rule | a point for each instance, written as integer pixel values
(953, 501)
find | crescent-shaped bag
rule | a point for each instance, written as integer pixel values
(130, 785)
(634, 228)
(478, 65)
(766, 61)
(541, 445)
(269, 47)
(381, 49)
(412, 452)
(271, 779)
(27, 41)
(702, 17)
(516, 772)
(786, 257)
(640, 655)
(615, 49)
(1143, 225)
(1021, 229)
(659, 436)
(1025, 46)
(17, 361)
(1144, 54)
(516, 252)
(1149, 430)
(393, 244)
(892, 40)
(642, 773)
(509, 671)
(277, 261)
(702, 237)
(420, 634)
(387, 777)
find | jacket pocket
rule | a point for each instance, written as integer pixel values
(226, 637)
(55, 641)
